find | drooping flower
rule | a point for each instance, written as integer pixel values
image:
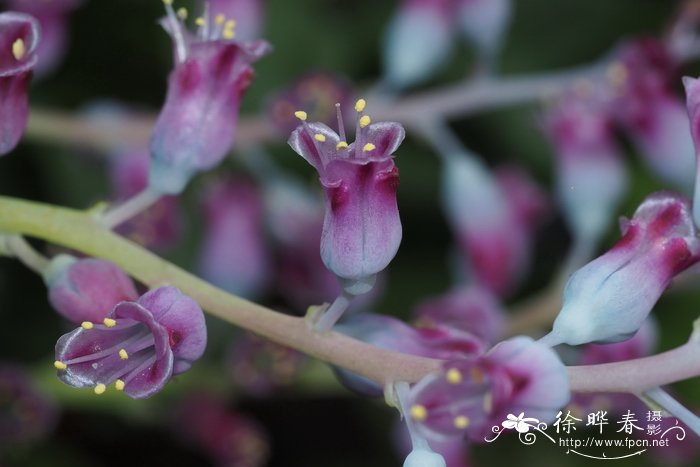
(87, 289)
(53, 17)
(19, 36)
(471, 395)
(609, 298)
(138, 347)
(159, 226)
(471, 309)
(361, 229)
(234, 253)
(248, 15)
(197, 124)
(484, 23)
(590, 177)
(438, 341)
(418, 41)
(692, 90)
(490, 221)
(26, 414)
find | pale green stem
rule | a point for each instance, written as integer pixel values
(23, 251)
(80, 231)
(129, 208)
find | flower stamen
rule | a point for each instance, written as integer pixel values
(18, 49)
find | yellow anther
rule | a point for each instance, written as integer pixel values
(617, 74)
(18, 49)
(123, 355)
(369, 147)
(200, 22)
(301, 115)
(453, 376)
(461, 422)
(86, 325)
(119, 385)
(182, 13)
(229, 34)
(319, 137)
(364, 121)
(477, 375)
(109, 322)
(419, 413)
(360, 105)
(100, 389)
(60, 365)
(168, 2)
(341, 145)
(220, 19)
(230, 24)
(488, 402)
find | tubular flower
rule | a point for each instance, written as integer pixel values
(470, 396)
(138, 347)
(197, 124)
(361, 228)
(692, 91)
(590, 176)
(484, 23)
(608, 299)
(86, 290)
(19, 36)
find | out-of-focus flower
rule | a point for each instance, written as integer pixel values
(53, 17)
(196, 127)
(248, 15)
(260, 367)
(227, 437)
(316, 93)
(418, 41)
(439, 341)
(361, 229)
(471, 395)
(138, 347)
(26, 414)
(692, 90)
(608, 299)
(645, 104)
(160, 225)
(484, 23)
(453, 450)
(493, 230)
(471, 309)
(86, 289)
(234, 254)
(590, 177)
(19, 36)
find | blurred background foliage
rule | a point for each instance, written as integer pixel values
(118, 52)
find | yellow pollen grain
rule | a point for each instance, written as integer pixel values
(488, 402)
(453, 376)
(119, 385)
(59, 365)
(220, 19)
(109, 322)
(364, 121)
(369, 147)
(229, 34)
(360, 105)
(86, 325)
(182, 13)
(123, 355)
(18, 49)
(461, 422)
(200, 21)
(477, 375)
(341, 145)
(301, 115)
(419, 413)
(319, 137)
(100, 389)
